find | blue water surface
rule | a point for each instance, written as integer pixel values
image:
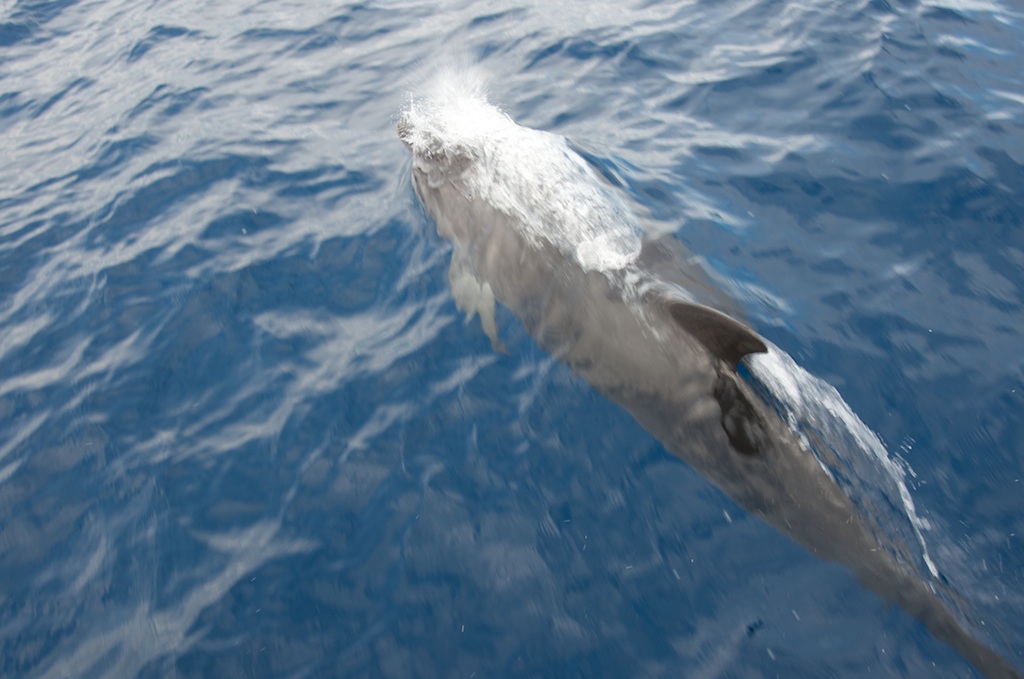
(244, 430)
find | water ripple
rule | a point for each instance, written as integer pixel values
(244, 430)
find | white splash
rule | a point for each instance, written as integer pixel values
(845, 446)
(533, 176)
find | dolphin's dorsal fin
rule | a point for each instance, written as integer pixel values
(724, 337)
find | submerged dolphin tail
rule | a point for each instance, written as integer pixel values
(916, 598)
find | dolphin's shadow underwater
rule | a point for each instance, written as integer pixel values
(535, 229)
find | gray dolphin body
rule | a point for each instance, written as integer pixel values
(534, 228)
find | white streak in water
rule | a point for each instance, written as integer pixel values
(531, 175)
(816, 403)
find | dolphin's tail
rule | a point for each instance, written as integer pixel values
(916, 598)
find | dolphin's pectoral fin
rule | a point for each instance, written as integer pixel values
(740, 420)
(473, 297)
(724, 337)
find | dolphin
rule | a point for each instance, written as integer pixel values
(534, 228)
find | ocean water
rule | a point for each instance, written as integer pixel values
(245, 431)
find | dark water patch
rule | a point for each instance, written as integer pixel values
(833, 266)
(12, 103)
(897, 49)
(773, 76)
(347, 274)
(485, 19)
(883, 129)
(1002, 433)
(208, 344)
(948, 203)
(124, 218)
(140, 281)
(584, 50)
(156, 36)
(171, 102)
(40, 12)
(761, 188)
(946, 14)
(114, 154)
(40, 230)
(727, 152)
(12, 33)
(301, 40)
(353, 25)
(287, 35)
(198, 343)
(929, 340)
(544, 53)
(662, 196)
(1009, 172)
(74, 87)
(242, 223)
(659, 54)
(885, 7)
(319, 41)
(951, 53)
(579, 49)
(333, 191)
(606, 167)
(683, 102)
(928, 101)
